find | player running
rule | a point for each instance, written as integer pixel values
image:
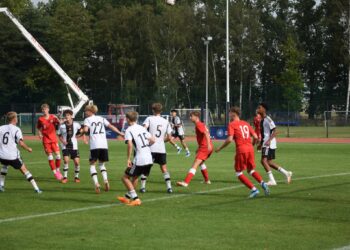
(240, 131)
(47, 125)
(95, 126)
(138, 137)
(205, 148)
(67, 134)
(161, 130)
(268, 146)
(10, 136)
(178, 132)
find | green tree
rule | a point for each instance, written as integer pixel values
(290, 78)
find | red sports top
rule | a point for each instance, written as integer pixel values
(241, 132)
(48, 128)
(257, 120)
(200, 133)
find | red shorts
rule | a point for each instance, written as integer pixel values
(51, 147)
(203, 154)
(244, 161)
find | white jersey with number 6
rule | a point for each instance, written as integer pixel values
(10, 135)
(96, 125)
(139, 137)
(159, 128)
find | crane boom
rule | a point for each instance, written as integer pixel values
(68, 81)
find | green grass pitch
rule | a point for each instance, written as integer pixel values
(311, 213)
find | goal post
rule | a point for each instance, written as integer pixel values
(336, 124)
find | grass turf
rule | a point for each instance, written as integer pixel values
(308, 214)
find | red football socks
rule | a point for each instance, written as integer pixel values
(189, 177)
(52, 164)
(257, 177)
(58, 163)
(245, 181)
(205, 174)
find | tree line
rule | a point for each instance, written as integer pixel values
(292, 54)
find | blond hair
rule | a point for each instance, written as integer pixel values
(132, 116)
(92, 108)
(45, 105)
(10, 116)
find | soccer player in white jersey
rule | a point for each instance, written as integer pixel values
(95, 126)
(161, 130)
(268, 146)
(178, 132)
(138, 137)
(67, 133)
(10, 136)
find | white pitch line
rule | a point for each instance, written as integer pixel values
(343, 248)
(75, 210)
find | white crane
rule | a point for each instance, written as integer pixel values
(82, 98)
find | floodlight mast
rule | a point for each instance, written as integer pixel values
(67, 80)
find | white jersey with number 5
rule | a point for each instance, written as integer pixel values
(96, 125)
(10, 135)
(159, 128)
(267, 128)
(139, 137)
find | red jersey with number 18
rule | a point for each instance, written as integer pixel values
(241, 132)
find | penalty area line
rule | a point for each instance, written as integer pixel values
(83, 209)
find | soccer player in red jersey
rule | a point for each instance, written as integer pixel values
(205, 148)
(257, 121)
(47, 124)
(240, 131)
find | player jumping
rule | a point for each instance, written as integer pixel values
(178, 132)
(240, 131)
(138, 137)
(10, 136)
(268, 146)
(47, 125)
(161, 130)
(95, 126)
(67, 134)
(205, 148)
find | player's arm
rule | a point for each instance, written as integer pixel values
(272, 136)
(129, 152)
(151, 140)
(254, 135)
(207, 137)
(60, 137)
(113, 128)
(39, 128)
(24, 146)
(228, 140)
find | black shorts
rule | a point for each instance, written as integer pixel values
(159, 158)
(71, 152)
(16, 164)
(176, 135)
(268, 153)
(136, 171)
(100, 154)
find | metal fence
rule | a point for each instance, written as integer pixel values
(290, 124)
